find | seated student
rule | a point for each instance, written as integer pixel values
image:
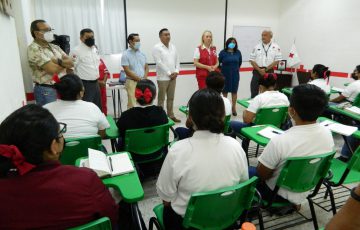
(267, 97)
(348, 216)
(193, 164)
(82, 118)
(37, 192)
(216, 81)
(320, 75)
(145, 115)
(305, 138)
(352, 90)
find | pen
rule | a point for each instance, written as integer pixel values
(111, 166)
(276, 132)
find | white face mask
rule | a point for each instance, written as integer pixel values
(49, 36)
(137, 45)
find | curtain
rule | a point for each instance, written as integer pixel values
(69, 17)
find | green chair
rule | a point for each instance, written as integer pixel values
(357, 101)
(227, 123)
(302, 174)
(275, 115)
(342, 173)
(112, 132)
(100, 224)
(215, 210)
(147, 141)
(78, 147)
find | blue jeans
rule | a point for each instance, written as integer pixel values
(354, 143)
(44, 95)
(252, 171)
(183, 132)
(236, 126)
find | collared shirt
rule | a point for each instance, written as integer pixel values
(204, 162)
(82, 118)
(86, 62)
(197, 51)
(298, 141)
(135, 60)
(265, 54)
(322, 84)
(352, 90)
(54, 196)
(167, 61)
(38, 56)
(267, 99)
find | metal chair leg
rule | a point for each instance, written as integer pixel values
(257, 150)
(153, 221)
(261, 221)
(313, 214)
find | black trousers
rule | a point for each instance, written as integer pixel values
(172, 220)
(92, 92)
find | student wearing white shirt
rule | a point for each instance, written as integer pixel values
(167, 69)
(268, 97)
(352, 90)
(263, 58)
(86, 66)
(305, 138)
(204, 162)
(82, 118)
(320, 76)
(216, 81)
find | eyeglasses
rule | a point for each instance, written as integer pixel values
(62, 129)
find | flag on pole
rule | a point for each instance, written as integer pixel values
(293, 59)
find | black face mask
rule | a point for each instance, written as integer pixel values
(89, 42)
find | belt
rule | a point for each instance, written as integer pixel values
(45, 85)
(88, 81)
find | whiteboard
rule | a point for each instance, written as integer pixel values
(185, 19)
(247, 37)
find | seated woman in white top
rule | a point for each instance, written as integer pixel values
(320, 76)
(352, 90)
(82, 118)
(193, 164)
(305, 138)
(267, 97)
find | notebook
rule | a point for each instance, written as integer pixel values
(345, 130)
(270, 132)
(337, 89)
(107, 166)
(353, 109)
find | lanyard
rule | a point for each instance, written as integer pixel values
(266, 51)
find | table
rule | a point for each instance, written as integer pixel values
(288, 91)
(112, 133)
(252, 134)
(116, 98)
(341, 111)
(184, 109)
(244, 102)
(129, 187)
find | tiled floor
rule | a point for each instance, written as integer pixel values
(151, 199)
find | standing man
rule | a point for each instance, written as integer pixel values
(87, 61)
(134, 63)
(47, 62)
(167, 69)
(263, 58)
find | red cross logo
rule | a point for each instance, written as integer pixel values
(291, 55)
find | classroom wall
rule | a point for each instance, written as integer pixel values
(12, 94)
(326, 32)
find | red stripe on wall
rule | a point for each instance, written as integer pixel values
(339, 74)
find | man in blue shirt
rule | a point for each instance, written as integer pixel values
(134, 63)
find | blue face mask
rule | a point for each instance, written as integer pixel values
(137, 45)
(231, 45)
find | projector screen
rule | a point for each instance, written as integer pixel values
(187, 17)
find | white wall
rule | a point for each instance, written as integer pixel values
(326, 31)
(12, 94)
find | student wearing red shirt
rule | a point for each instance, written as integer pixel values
(36, 191)
(205, 59)
(103, 76)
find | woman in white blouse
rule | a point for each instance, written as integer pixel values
(204, 162)
(320, 76)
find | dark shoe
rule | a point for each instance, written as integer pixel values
(343, 159)
(234, 114)
(175, 119)
(282, 211)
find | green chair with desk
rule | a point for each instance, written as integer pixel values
(217, 209)
(112, 132)
(342, 174)
(78, 147)
(99, 224)
(301, 174)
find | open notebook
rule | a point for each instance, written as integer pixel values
(345, 130)
(105, 165)
(353, 109)
(270, 132)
